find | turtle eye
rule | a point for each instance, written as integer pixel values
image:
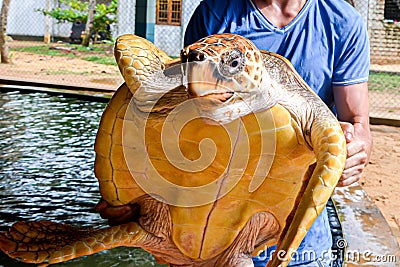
(232, 62)
(235, 63)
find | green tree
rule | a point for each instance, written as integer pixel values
(77, 10)
(89, 23)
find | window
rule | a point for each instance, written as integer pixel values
(169, 12)
(392, 10)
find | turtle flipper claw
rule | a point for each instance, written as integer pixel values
(45, 242)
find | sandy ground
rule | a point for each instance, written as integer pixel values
(59, 70)
(381, 177)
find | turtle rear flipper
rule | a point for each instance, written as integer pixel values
(45, 242)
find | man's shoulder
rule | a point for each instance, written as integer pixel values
(214, 3)
(224, 7)
(339, 13)
(213, 16)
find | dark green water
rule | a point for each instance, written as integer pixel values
(46, 169)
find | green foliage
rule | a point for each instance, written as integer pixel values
(379, 81)
(44, 50)
(98, 53)
(76, 10)
(101, 60)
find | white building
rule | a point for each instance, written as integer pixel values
(160, 21)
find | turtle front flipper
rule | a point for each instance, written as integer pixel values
(143, 65)
(45, 242)
(329, 146)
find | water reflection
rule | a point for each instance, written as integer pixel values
(369, 238)
(46, 168)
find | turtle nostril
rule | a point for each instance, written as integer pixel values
(195, 56)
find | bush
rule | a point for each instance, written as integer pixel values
(77, 11)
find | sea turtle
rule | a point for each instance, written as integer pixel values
(241, 156)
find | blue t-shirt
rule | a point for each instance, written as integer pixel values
(326, 42)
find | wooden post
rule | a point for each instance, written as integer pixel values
(47, 26)
(4, 51)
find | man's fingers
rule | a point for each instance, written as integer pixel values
(355, 163)
(358, 159)
(113, 212)
(352, 171)
(128, 217)
(101, 205)
(356, 147)
(348, 130)
(351, 175)
(120, 214)
(357, 154)
(349, 180)
(130, 213)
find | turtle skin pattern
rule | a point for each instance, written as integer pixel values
(277, 154)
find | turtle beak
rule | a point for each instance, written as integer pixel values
(204, 80)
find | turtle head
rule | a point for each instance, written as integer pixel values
(226, 73)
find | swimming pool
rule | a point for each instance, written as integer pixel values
(46, 169)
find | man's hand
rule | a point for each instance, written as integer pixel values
(359, 144)
(117, 215)
(352, 107)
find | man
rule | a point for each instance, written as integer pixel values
(327, 43)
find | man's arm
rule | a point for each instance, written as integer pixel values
(352, 106)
